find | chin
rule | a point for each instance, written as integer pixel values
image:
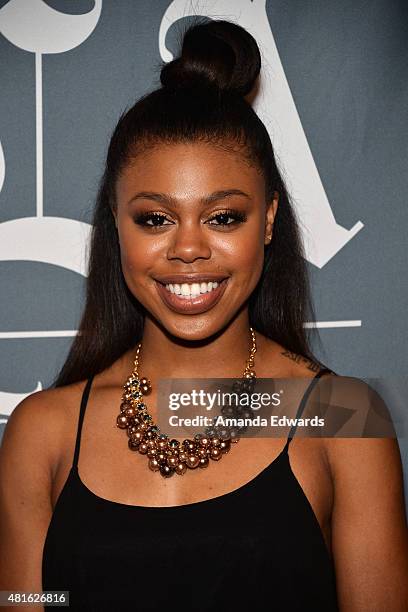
(193, 328)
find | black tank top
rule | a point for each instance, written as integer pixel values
(259, 545)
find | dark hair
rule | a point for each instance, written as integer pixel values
(202, 98)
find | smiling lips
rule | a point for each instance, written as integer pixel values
(179, 300)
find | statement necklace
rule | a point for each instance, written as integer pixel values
(165, 455)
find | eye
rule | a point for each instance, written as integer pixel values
(223, 215)
(156, 217)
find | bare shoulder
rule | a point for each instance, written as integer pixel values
(365, 433)
(38, 424)
(48, 400)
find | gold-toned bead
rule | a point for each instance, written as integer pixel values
(122, 421)
(189, 445)
(152, 452)
(143, 448)
(215, 442)
(130, 412)
(183, 456)
(192, 461)
(162, 444)
(145, 385)
(181, 468)
(137, 437)
(203, 462)
(215, 454)
(172, 461)
(161, 457)
(133, 445)
(166, 471)
(225, 446)
(154, 465)
(131, 430)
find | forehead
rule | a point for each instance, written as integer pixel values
(189, 168)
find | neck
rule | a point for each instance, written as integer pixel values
(223, 355)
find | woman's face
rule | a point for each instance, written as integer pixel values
(189, 214)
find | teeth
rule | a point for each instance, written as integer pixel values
(187, 290)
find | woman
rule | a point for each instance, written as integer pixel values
(196, 271)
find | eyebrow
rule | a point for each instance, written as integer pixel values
(205, 201)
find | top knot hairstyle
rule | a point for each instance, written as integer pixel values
(202, 98)
(215, 54)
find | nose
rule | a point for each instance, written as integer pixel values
(189, 243)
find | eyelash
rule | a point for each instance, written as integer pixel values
(239, 217)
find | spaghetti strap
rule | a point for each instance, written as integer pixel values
(303, 403)
(84, 401)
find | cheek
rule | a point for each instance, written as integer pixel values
(248, 257)
(135, 272)
(137, 255)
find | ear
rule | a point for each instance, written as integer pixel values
(270, 214)
(115, 217)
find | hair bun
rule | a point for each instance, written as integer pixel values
(215, 54)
